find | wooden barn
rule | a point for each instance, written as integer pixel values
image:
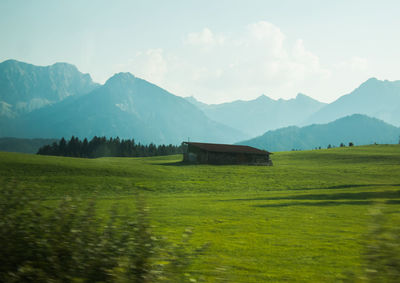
(210, 153)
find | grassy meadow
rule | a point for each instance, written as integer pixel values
(305, 219)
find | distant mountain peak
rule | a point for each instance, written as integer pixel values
(121, 78)
(26, 87)
(64, 65)
(374, 83)
(304, 97)
(301, 95)
(10, 61)
(372, 79)
(374, 97)
(370, 82)
(263, 97)
(374, 88)
(13, 62)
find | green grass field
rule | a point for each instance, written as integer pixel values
(304, 219)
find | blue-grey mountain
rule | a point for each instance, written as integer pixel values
(375, 98)
(25, 87)
(127, 107)
(58, 100)
(257, 116)
(24, 145)
(359, 129)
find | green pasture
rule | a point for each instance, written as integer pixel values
(304, 219)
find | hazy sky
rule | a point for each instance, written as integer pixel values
(215, 50)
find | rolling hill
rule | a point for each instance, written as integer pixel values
(359, 129)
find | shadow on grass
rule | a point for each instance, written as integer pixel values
(178, 163)
(357, 198)
(334, 196)
(325, 203)
(338, 187)
(316, 203)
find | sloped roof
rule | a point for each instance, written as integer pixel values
(214, 147)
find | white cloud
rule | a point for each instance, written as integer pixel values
(307, 63)
(350, 73)
(205, 39)
(242, 65)
(149, 65)
(268, 36)
(354, 64)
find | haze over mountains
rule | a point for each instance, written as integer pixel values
(24, 145)
(25, 87)
(58, 100)
(257, 116)
(357, 128)
(124, 106)
(375, 98)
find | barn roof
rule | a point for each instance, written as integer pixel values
(214, 147)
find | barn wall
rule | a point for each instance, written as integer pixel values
(238, 158)
(196, 155)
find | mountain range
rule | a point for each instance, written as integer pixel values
(358, 129)
(59, 101)
(124, 106)
(257, 116)
(25, 87)
(375, 98)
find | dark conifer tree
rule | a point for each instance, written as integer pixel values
(101, 147)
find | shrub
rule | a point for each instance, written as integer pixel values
(71, 243)
(382, 254)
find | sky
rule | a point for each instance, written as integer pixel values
(214, 50)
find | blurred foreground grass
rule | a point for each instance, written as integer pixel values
(307, 218)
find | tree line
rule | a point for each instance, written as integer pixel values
(103, 147)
